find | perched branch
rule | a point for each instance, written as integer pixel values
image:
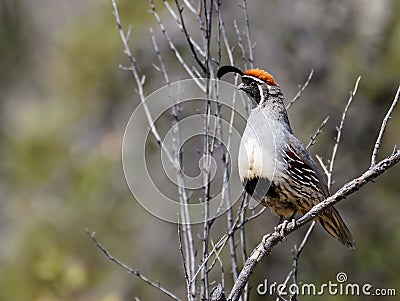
(135, 272)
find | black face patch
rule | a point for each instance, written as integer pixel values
(257, 187)
(251, 87)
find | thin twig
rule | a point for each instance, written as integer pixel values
(224, 35)
(297, 251)
(188, 38)
(243, 52)
(175, 17)
(221, 265)
(339, 131)
(248, 36)
(322, 164)
(183, 199)
(159, 56)
(285, 283)
(301, 89)
(139, 83)
(254, 215)
(240, 43)
(242, 234)
(184, 262)
(383, 128)
(204, 285)
(173, 48)
(135, 272)
(313, 138)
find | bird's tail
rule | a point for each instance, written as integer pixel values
(335, 226)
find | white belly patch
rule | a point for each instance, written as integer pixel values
(256, 155)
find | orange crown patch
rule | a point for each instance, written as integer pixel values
(263, 75)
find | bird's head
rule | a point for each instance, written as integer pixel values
(258, 84)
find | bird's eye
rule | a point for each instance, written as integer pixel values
(253, 84)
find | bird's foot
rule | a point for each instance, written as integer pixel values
(282, 227)
(265, 237)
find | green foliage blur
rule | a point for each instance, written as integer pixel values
(64, 107)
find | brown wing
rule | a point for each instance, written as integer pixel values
(303, 170)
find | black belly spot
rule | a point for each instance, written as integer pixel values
(257, 187)
(273, 192)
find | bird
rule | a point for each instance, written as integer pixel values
(274, 166)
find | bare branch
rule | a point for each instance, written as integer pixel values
(185, 269)
(160, 58)
(285, 282)
(183, 199)
(313, 138)
(240, 44)
(255, 215)
(297, 251)
(301, 89)
(272, 239)
(139, 83)
(242, 234)
(322, 164)
(135, 272)
(175, 17)
(173, 48)
(383, 128)
(174, 161)
(248, 36)
(224, 35)
(339, 131)
(188, 38)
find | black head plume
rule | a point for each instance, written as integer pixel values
(227, 69)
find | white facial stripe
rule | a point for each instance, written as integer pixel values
(262, 98)
(254, 78)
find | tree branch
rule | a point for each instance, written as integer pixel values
(383, 128)
(135, 272)
(313, 138)
(301, 89)
(339, 131)
(188, 38)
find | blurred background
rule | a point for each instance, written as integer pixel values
(65, 104)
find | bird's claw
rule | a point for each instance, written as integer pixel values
(282, 227)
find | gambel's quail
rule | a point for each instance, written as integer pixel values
(274, 165)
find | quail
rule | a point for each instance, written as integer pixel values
(274, 166)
